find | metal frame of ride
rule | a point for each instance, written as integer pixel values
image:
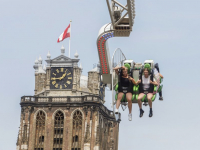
(122, 20)
(120, 26)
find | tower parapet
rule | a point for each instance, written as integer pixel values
(66, 112)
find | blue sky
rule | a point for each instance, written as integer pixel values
(166, 31)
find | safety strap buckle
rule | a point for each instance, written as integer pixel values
(125, 89)
(146, 92)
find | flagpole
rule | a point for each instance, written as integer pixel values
(70, 37)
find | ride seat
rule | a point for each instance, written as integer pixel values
(144, 99)
(136, 74)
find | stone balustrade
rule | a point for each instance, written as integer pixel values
(67, 100)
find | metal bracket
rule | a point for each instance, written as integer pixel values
(116, 9)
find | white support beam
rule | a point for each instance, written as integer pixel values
(123, 8)
(110, 11)
(121, 19)
(120, 5)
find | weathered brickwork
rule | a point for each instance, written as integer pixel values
(98, 132)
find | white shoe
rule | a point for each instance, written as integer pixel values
(130, 117)
(116, 111)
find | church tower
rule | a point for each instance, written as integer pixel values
(66, 112)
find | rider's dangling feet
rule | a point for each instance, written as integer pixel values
(150, 112)
(160, 96)
(141, 112)
(130, 117)
(116, 111)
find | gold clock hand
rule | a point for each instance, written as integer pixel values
(55, 78)
(63, 76)
(60, 78)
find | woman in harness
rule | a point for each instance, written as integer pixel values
(125, 87)
(146, 86)
(161, 76)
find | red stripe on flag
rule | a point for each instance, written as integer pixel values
(65, 34)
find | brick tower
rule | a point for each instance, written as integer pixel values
(66, 111)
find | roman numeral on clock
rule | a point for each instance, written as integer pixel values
(68, 82)
(54, 82)
(56, 85)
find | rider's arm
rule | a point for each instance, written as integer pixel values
(131, 79)
(116, 69)
(138, 82)
(154, 82)
(161, 75)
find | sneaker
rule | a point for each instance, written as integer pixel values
(130, 117)
(141, 113)
(116, 111)
(161, 98)
(150, 113)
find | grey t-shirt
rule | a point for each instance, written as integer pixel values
(146, 82)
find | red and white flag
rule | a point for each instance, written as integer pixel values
(65, 34)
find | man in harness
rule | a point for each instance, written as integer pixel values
(125, 87)
(146, 87)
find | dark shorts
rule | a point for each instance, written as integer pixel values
(125, 90)
(145, 91)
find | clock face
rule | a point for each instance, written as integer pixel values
(61, 78)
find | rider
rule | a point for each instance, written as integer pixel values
(146, 86)
(161, 76)
(125, 87)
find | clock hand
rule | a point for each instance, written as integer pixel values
(60, 78)
(55, 78)
(63, 76)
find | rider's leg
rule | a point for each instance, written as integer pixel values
(119, 98)
(129, 97)
(160, 93)
(149, 97)
(140, 103)
(140, 100)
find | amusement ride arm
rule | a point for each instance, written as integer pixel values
(120, 26)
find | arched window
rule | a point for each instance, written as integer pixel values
(24, 134)
(77, 131)
(58, 131)
(40, 131)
